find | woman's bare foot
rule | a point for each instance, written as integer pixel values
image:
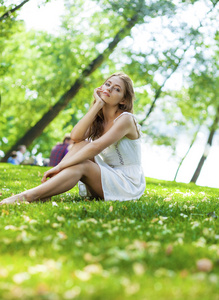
(21, 198)
(14, 199)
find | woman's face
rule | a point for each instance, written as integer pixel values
(113, 91)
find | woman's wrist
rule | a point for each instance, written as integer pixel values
(99, 104)
(59, 167)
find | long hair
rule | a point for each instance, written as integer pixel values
(96, 128)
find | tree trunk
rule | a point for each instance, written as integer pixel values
(48, 117)
(157, 94)
(207, 148)
(184, 157)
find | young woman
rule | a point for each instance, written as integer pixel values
(106, 155)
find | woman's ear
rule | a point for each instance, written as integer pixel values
(123, 104)
(123, 101)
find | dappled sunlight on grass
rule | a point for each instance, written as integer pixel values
(163, 246)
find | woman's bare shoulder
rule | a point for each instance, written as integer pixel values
(129, 121)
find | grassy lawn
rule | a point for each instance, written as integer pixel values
(164, 246)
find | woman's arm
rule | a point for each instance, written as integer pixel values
(120, 128)
(79, 131)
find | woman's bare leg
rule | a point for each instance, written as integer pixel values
(74, 149)
(88, 172)
(24, 195)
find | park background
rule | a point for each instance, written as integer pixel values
(162, 246)
(170, 49)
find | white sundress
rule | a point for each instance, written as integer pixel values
(122, 175)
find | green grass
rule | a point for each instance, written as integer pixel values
(74, 249)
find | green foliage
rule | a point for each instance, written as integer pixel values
(71, 248)
(38, 68)
(200, 101)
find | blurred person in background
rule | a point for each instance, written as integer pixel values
(13, 158)
(20, 154)
(59, 151)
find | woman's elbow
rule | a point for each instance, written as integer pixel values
(74, 137)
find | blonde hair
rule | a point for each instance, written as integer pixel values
(96, 128)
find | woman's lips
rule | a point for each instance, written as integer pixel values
(105, 93)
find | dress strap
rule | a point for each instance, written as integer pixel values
(124, 113)
(138, 127)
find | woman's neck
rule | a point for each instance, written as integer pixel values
(111, 114)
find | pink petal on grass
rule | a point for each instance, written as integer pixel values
(204, 265)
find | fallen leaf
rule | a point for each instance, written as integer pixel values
(138, 268)
(37, 269)
(83, 276)
(71, 294)
(42, 289)
(88, 257)
(169, 250)
(92, 220)
(91, 258)
(3, 272)
(21, 277)
(132, 289)
(61, 219)
(93, 269)
(184, 273)
(55, 225)
(167, 199)
(204, 265)
(154, 220)
(62, 235)
(10, 227)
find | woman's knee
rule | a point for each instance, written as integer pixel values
(84, 167)
(79, 168)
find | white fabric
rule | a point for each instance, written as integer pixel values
(20, 157)
(122, 175)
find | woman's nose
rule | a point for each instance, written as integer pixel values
(109, 88)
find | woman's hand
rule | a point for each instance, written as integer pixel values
(97, 97)
(50, 173)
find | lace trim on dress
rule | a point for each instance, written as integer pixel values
(119, 154)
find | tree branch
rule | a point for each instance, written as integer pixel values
(9, 12)
(187, 152)
(207, 147)
(50, 115)
(159, 90)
